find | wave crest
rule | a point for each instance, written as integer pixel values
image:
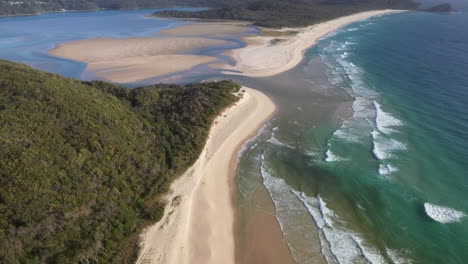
(443, 214)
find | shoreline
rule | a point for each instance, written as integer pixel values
(198, 224)
(262, 58)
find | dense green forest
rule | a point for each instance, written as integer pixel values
(83, 164)
(291, 13)
(11, 7)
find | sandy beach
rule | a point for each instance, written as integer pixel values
(267, 55)
(132, 59)
(198, 225)
(213, 29)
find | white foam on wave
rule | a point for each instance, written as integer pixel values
(368, 115)
(384, 147)
(443, 214)
(384, 120)
(350, 43)
(288, 211)
(362, 108)
(311, 153)
(273, 140)
(353, 29)
(352, 129)
(331, 157)
(397, 256)
(356, 82)
(337, 244)
(248, 144)
(344, 245)
(387, 169)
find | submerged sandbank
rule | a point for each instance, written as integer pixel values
(198, 225)
(269, 55)
(133, 59)
(212, 29)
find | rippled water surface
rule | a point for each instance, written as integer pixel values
(368, 153)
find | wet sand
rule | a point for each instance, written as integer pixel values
(133, 59)
(215, 29)
(260, 239)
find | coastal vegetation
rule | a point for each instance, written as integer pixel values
(442, 8)
(83, 165)
(269, 13)
(291, 13)
(15, 7)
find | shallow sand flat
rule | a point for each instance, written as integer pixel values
(261, 239)
(261, 58)
(132, 59)
(214, 29)
(198, 226)
(132, 69)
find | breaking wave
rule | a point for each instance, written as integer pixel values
(331, 157)
(385, 121)
(338, 245)
(443, 214)
(385, 147)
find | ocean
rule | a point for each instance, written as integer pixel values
(366, 159)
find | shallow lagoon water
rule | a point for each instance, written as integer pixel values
(27, 39)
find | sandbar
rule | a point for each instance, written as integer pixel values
(132, 59)
(270, 55)
(213, 29)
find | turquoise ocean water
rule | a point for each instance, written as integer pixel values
(368, 152)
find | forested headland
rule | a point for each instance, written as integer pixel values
(83, 165)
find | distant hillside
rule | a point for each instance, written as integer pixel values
(83, 164)
(11, 7)
(442, 8)
(292, 13)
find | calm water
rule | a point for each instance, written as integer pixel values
(386, 182)
(27, 39)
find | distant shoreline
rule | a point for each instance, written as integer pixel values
(48, 12)
(93, 10)
(199, 19)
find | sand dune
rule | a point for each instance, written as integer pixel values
(198, 225)
(262, 57)
(132, 59)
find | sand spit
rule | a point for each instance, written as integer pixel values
(132, 59)
(269, 55)
(198, 226)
